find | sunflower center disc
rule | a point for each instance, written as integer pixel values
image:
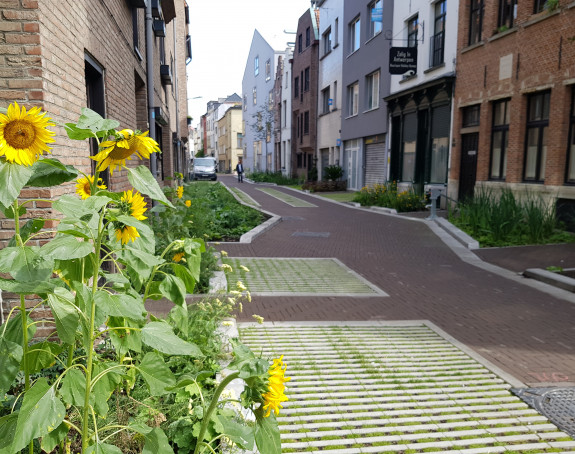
(19, 134)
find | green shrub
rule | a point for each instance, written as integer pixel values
(332, 172)
(386, 195)
(272, 177)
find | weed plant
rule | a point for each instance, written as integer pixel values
(509, 219)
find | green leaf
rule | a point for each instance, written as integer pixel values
(140, 262)
(267, 434)
(73, 389)
(25, 263)
(51, 172)
(125, 339)
(42, 355)
(9, 211)
(146, 242)
(76, 133)
(179, 318)
(142, 180)
(157, 443)
(7, 430)
(13, 177)
(120, 305)
(103, 448)
(31, 227)
(95, 122)
(10, 358)
(240, 434)
(65, 314)
(13, 329)
(193, 249)
(50, 441)
(104, 386)
(186, 276)
(174, 289)
(159, 335)
(28, 288)
(41, 412)
(156, 373)
(66, 248)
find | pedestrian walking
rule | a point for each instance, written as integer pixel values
(240, 171)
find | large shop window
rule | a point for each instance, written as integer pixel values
(536, 143)
(439, 144)
(409, 146)
(499, 140)
(571, 150)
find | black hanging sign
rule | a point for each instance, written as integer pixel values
(402, 59)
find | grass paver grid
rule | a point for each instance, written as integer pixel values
(287, 198)
(244, 197)
(298, 276)
(356, 390)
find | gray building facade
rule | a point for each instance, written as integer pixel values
(366, 81)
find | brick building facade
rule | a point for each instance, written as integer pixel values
(63, 55)
(305, 68)
(514, 100)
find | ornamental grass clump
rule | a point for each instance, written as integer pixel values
(387, 195)
(95, 272)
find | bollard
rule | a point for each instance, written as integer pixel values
(434, 194)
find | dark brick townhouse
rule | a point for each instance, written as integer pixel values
(514, 110)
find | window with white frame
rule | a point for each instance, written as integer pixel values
(437, 41)
(372, 90)
(353, 99)
(268, 69)
(412, 28)
(354, 34)
(257, 65)
(325, 100)
(255, 95)
(375, 13)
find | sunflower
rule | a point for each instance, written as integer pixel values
(276, 388)
(188, 203)
(178, 256)
(23, 135)
(180, 192)
(84, 186)
(131, 205)
(114, 152)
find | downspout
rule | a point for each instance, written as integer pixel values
(178, 139)
(150, 83)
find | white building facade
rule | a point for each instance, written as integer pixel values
(329, 150)
(285, 117)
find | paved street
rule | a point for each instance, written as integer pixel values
(527, 332)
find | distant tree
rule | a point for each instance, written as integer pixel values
(262, 127)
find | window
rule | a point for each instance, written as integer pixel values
(240, 139)
(475, 21)
(299, 43)
(437, 41)
(255, 95)
(135, 33)
(325, 101)
(353, 99)
(470, 116)
(354, 35)
(257, 65)
(287, 79)
(372, 90)
(336, 36)
(271, 100)
(306, 79)
(268, 70)
(408, 147)
(306, 122)
(507, 14)
(539, 6)
(296, 87)
(326, 37)
(536, 141)
(375, 13)
(307, 37)
(285, 114)
(333, 96)
(245, 102)
(412, 27)
(571, 150)
(499, 140)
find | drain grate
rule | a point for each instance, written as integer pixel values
(312, 234)
(558, 404)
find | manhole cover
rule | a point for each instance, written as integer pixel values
(558, 404)
(312, 234)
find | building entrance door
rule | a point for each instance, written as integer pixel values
(468, 169)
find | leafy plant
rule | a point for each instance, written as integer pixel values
(272, 177)
(332, 172)
(99, 315)
(387, 195)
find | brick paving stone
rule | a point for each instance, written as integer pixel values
(528, 333)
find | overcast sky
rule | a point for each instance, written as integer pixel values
(222, 33)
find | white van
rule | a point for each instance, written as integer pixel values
(205, 169)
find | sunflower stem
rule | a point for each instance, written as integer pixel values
(212, 407)
(90, 333)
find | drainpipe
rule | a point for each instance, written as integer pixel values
(178, 139)
(150, 82)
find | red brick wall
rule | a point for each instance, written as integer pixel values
(543, 58)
